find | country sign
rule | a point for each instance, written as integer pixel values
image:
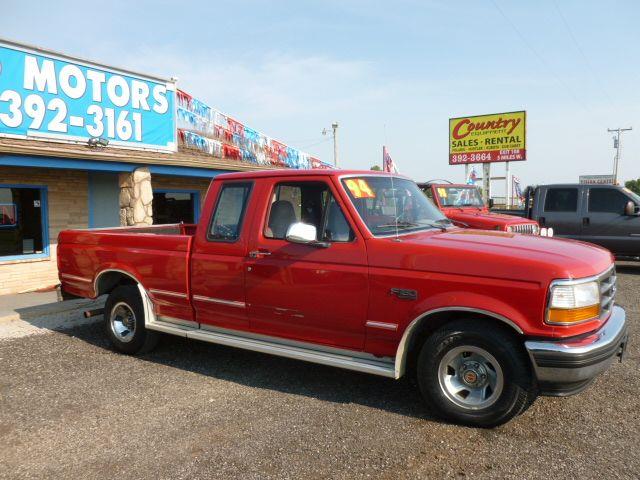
(499, 137)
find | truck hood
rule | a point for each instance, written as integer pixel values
(493, 254)
(484, 218)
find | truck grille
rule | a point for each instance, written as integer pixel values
(526, 228)
(607, 291)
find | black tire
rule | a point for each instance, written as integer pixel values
(512, 395)
(134, 337)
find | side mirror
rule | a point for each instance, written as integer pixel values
(301, 233)
(304, 234)
(631, 209)
(491, 203)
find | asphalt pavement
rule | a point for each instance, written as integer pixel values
(70, 407)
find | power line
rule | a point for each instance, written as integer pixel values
(324, 140)
(582, 54)
(540, 57)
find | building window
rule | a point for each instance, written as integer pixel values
(23, 230)
(175, 206)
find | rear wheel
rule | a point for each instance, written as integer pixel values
(124, 321)
(473, 373)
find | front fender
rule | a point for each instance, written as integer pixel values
(472, 302)
(455, 302)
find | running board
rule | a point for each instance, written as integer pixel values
(365, 365)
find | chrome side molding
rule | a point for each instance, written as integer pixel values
(220, 301)
(296, 352)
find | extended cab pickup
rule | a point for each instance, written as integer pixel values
(463, 205)
(359, 270)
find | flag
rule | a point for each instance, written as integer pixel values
(388, 165)
(517, 189)
(473, 176)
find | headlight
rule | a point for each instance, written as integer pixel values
(509, 228)
(573, 303)
(536, 230)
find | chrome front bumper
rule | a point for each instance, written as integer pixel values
(565, 367)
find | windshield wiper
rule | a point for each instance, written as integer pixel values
(398, 225)
(440, 224)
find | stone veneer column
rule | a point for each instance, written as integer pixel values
(136, 197)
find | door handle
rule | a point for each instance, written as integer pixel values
(585, 221)
(259, 253)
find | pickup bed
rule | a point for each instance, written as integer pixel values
(358, 270)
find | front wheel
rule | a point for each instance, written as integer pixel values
(475, 374)
(124, 321)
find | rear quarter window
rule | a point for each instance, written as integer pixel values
(226, 222)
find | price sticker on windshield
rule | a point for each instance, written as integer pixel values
(442, 192)
(359, 188)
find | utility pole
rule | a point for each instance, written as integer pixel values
(334, 126)
(616, 145)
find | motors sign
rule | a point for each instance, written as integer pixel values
(51, 96)
(499, 137)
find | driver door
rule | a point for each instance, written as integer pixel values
(304, 292)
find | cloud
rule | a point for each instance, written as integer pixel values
(271, 87)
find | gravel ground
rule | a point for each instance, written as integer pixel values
(72, 408)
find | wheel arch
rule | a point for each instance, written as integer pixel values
(429, 321)
(108, 279)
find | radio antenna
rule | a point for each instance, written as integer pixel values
(395, 208)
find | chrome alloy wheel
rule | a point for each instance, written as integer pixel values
(123, 322)
(470, 377)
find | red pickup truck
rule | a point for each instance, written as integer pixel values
(463, 205)
(359, 270)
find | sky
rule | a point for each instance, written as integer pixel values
(388, 72)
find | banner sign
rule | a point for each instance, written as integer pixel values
(51, 96)
(597, 179)
(206, 129)
(499, 137)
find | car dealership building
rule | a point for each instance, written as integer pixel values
(85, 145)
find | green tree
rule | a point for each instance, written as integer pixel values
(376, 168)
(633, 185)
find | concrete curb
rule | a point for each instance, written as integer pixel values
(48, 309)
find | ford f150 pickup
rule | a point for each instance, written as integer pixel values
(463, 205)
(359, 270)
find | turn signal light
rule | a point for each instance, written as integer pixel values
(573, 315)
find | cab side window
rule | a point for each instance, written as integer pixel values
(226, 223)
(307, 202)
(561, 200)
(607, 200)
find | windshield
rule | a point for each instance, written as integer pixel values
(459, 197)
(384, 207)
